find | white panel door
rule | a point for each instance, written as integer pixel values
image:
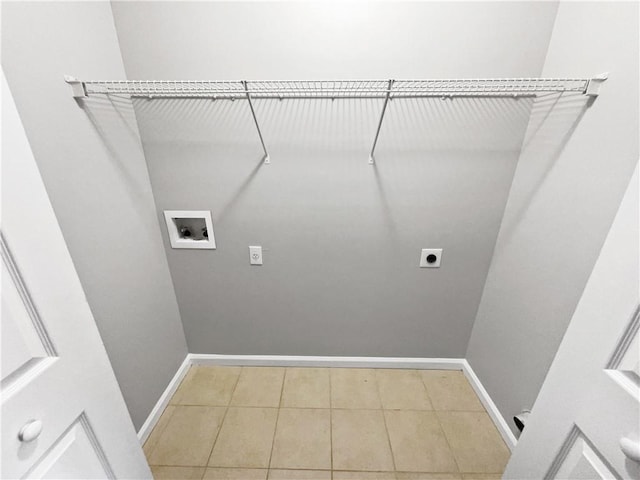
(63, 416)
(585, 423)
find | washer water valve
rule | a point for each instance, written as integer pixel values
(190, 229)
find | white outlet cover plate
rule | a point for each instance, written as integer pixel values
(174, 235)
(430, 251)
(255, 255)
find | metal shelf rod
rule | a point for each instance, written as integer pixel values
(255, 119)
(384, 108)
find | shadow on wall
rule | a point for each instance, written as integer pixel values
(554, 118)
(195, 120)
(456, 124)
(320, 134)
(466, 142)
(203, 121)
(114, 121)
(472, 123)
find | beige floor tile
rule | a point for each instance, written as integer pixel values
(162, 423)
(306, 388)
(258, 387)
(482, 476)
(354, 388)
(235, 474)
(302, 440)
(402, 389)
(427, 476)
(418, 443)
(245, 438)
(475, 442)
(337, 475)
(359, 441)
(276, 474)
(450, 390)
(207, 386)
(188, 436)
(177, 473)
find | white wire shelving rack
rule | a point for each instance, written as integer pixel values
(335, 89)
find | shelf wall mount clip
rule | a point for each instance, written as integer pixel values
(384, 109)
(594, 84)
(266, 157)
(77, 87)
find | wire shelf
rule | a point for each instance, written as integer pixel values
(333, 89)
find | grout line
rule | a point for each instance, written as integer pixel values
(271, 407)
(311, 469)
(224, 417)
(408, 471)
(284, 379)
(404, 409)
(161, 431)
(384, 419)
(330, 425)
(275, 429)
(296, 469)
(326, 470)
(184, 381)
(328, 408)
(444, 434)
(426, 389)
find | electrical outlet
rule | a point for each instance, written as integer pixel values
(430, 257)
(255, 255)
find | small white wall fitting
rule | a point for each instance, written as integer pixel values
(77, 87)
(594, 84)
(190, 229)
(255, 255)
(430, 257)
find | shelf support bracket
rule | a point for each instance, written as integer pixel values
(267, 160)
(594, 84)
(77, 87)
(384, 108)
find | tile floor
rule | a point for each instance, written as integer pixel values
(269, 423)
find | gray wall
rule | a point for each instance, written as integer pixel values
(342, 238)
(93, 167)
(575, 165)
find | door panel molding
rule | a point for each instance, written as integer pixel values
(622, 349)
(38, 324)
(24, 373)
(623, 367)
(576, 454)
(79, 430)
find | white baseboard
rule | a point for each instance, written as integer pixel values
(499, 421)
(162, 403)
(310, 361)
